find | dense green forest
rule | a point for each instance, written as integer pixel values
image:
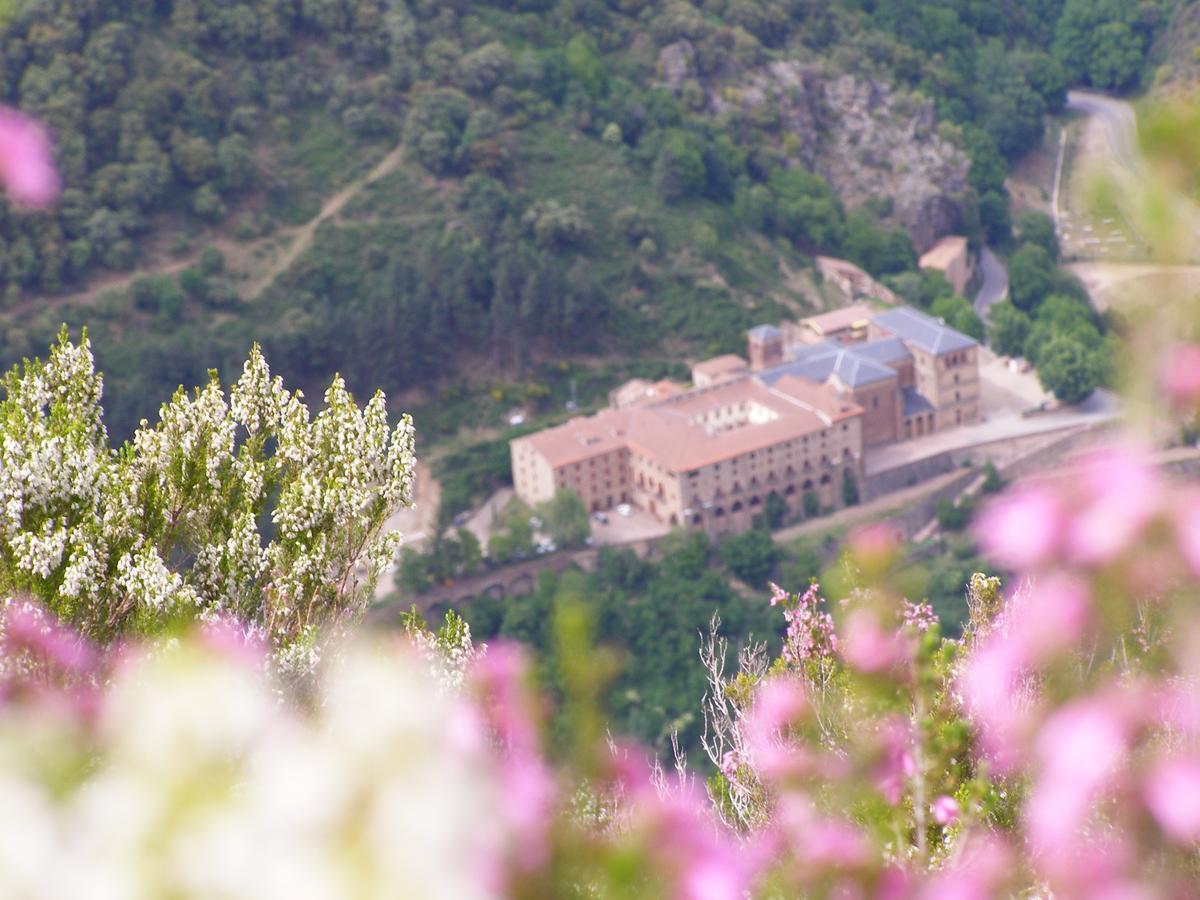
(560, 191)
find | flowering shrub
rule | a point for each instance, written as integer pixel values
(167, 528)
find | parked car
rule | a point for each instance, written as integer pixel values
(600, 517)
(625, 510)
(460, 520)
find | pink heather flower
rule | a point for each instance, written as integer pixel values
(1021, 529)
(1049, 618)
(1123, 493)
(977, 874)
(1082, 750)
(26, 160)
(1180, 375)
(730, 763)
(246, 644)
(1172, 794)
(1186, 519)
(810, 630)
(945, 810)
(898, 766)
(817, 842)
(919, 616)
(996, 700)
(778, 594)
(867, 647)
(55, 650)
(527, 785)
(875, 545)
(778, 703)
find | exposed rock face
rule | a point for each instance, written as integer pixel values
(865, 139)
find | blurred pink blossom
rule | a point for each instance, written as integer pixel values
(816, 841)
(1021, 529)
(875, 545)
(1049, 617)
(1172, 794)
(1186, 519)
(898, 766)
(1081, 750)
(235, 640)
(26, 160)
(1180, 375)
(867, 646)
(1122, 492)
(945, 810)
(996, 699)
(527, 784)
(778, 703)
(977, 874)
(38, 647)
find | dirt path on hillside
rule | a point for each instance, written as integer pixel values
(302, 237)
(298, 240)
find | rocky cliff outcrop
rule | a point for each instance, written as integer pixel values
(865, 138)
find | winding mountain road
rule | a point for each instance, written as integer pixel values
(994, 287)
(1118, 121)
(1114, 129)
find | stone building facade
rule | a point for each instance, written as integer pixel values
(792, 421)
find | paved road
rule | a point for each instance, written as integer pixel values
(1101, 406)
(1120, 125)
(995, 283)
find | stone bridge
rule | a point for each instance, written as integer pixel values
(503, 581)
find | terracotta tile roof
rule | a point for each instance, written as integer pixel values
(854, 316)
(720, 365)
(582, 437)
(944, 252)
(678, 433)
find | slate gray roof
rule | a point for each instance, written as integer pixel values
(888, 350)
(926, 332)
(764, 332)
(820, 361)
(914, 402)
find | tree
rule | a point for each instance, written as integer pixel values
(849, 488)
(774, 511)
(1038, 228)
(481, 70)
(1066, 368)
(566, 518)
(1009, 328)
(586, 65)
(1116, 56)
(751, 556)
(953, 516)
(1030, 276)
(878, 250)
(470, 552)
(434, 129)
(993, 483)
(993, 216)
(679, 168)
(806, 210)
